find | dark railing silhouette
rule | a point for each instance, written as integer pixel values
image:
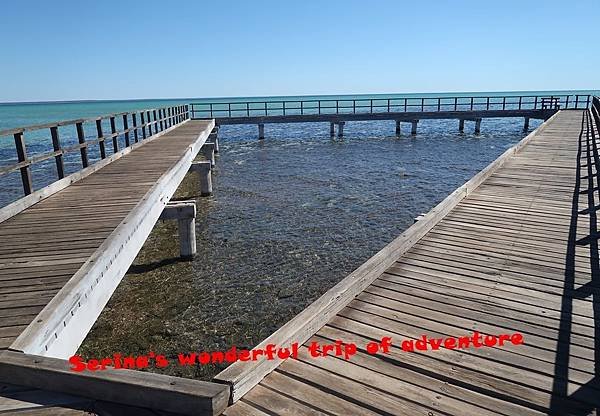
(385, 105)
(125, 129)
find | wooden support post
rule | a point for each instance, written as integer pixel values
(526, 124)
(208, 150)
(341, 129)
(461, 125)
(185, 214)
(413, 129)
(398, 129)
(60, 164)
(477, 125)
(204, 171)
(332, 129)
(22, 157)
(135, 130)
(81, 140)
(261, 131)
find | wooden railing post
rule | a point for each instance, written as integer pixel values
(113, 130)
(22, 157)
(143, 121)
(160, 116)
(81, 140)
(155, 121)
(60, 164)
(126, 128)
(567, 102)
(135, 130)
(101, 143)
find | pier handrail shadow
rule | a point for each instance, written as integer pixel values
(587, 150)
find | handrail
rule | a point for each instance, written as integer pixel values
(151, 121)
(379, 105)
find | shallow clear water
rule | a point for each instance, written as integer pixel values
(295, 213)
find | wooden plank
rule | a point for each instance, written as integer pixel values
(171, 394)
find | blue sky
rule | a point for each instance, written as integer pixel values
(66, 50)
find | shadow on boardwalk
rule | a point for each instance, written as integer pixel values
(577, 403)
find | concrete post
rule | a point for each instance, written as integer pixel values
(261, 131)
(413, 129)
(331, 129)
(341, 128)
(204, 171)
(213, 137)
(526, 124)
(461, 125)
(398, 130)
(208, 150)
(477, 125)
(185, 214)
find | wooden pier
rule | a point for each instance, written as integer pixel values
(408, 110)
(514, 250)
(67, 246)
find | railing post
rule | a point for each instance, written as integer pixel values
(60, 164)
(81, 140)
(439, 104)
(301, 107)
(535, 103)
(283, 105)
(455, 103)
(248, 109)
(101, 143)
(520, 99)
(149, 123)
(161, 117)
(487, 103)
(143, 121)
(126, 129)
(155, 121)
(587, 102)
(22, 157)
(471, 103)
(211, 110)
(422, 105)
(405, 104)
(567, 102)
(503, 103)
(113, 130)
(388, 106)
(229, 105)
(266, 109)
(371, 107)
(337, 106)
(135, 130)
(354, 106)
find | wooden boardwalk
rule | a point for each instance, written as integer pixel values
(518, 254)
(60, 260)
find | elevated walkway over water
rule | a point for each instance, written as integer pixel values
(514, 250)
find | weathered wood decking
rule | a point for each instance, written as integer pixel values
(60, 261)
(518, 254)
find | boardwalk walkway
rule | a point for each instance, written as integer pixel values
(61, 258)
(518, 254)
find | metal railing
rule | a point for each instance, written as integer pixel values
(125, 129)
(386, 105)
(595, 110)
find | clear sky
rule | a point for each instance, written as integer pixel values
(108, 49)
